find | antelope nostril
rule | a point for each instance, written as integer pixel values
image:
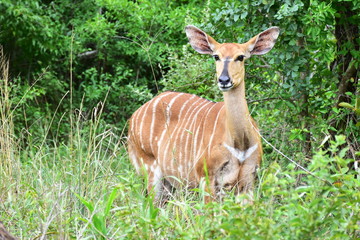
(224, 79)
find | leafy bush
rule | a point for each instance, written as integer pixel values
(78, 71)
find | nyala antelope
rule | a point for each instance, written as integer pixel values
(183, 136)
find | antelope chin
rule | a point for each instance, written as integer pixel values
(225, 88)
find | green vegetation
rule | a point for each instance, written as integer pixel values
(72, 74)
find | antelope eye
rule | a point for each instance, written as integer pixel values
(240, 58)
(216, 57)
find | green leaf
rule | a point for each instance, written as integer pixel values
(236, 17)
(110, 201)
(343, 152)
(340, 139)
(86, 203)
(357, 104)
(99, 223)
(244, 14)
(346, 105)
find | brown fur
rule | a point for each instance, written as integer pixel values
(4, 234)
(177, 134)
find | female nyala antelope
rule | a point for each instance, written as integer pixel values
(188, 137)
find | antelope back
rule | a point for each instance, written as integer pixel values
(174, 131)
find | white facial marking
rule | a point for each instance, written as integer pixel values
(241, 155)
(225, 87)
(227, 60)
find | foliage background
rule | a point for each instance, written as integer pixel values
(78, 69)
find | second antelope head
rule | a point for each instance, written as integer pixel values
(230, 57)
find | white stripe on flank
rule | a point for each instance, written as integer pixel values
(142, 125)
(196, 152)
(214, 130)
(185, 131)
(192, 135)
(136, 117)
(168, 145)
(179, 130)
(168, 108)
(132, 124)
(168, 115)
(180, 170)
(241, 155)
(153, 118)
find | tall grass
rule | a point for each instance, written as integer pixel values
(8, 164)
(87, 189)
(40, 181)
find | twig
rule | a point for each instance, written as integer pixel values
(87, 54)
(265, 99)
(291, 160)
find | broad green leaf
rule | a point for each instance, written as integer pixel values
(100, 223)
(346, 105)
(89, 205)
(110, 201)
(357, 104)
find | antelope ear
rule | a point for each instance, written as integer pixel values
(200, 41)
(263, 42)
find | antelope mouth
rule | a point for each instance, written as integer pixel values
(225, 87)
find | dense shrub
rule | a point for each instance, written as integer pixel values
(79, 69)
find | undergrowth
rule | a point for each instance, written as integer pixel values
(83, 193)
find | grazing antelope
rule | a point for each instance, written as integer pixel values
(182, 136)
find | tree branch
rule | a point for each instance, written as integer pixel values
(88, 54)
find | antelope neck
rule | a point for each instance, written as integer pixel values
(239, 129)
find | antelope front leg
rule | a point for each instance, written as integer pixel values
(247, 179)
(210, 190)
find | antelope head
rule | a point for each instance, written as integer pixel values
(230, 57)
